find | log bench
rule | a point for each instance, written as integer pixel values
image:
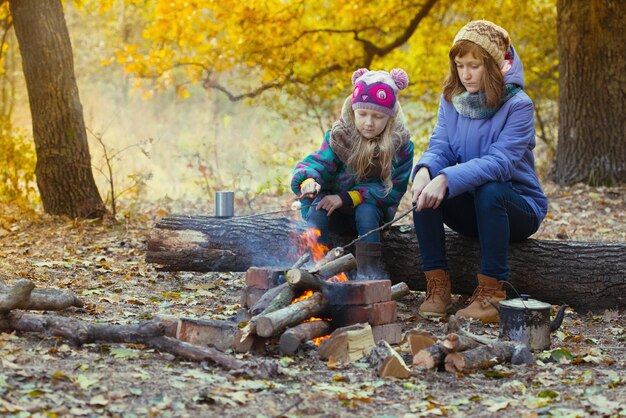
(589, 276)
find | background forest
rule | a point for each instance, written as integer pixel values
(157, 104)
(182, 98)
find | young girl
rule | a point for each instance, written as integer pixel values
(478, 174)
(360, 173)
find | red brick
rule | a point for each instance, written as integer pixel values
(374, 314)
(250, 296)
(392, 333)
(363, 292)
(263, 277)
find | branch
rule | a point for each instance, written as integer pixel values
(372, 50)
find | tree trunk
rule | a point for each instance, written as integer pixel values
(592, 87)
(585, 275)
(63, 170)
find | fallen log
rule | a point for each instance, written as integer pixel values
(150, 333)
(293, 338)
(274, 323)
(585, 275)
(23, 295)
(482, 357)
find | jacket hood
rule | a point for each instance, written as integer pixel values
(515, 75)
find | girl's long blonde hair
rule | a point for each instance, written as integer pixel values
(365, 151)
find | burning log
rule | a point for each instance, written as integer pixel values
(484, 356)
(294, 337)
(197, 243)
(23, 295)
(273, 323)
(348, 344)
(331, 255)
(302, 279)
(387, 361)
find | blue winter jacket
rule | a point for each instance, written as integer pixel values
(472, 152)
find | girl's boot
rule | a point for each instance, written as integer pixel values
(438, 295)
(481, 306)
(369, 261)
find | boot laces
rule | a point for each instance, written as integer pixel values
(435, 287)
(481, 294)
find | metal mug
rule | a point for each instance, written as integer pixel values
(224, 204)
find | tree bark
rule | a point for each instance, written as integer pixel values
(63, 169)
(592, 87)
(585, 275)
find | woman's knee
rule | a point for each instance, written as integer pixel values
(489, 195)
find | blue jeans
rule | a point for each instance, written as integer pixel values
(364, 218)
(495, 214)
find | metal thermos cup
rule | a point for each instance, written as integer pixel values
(224, 204)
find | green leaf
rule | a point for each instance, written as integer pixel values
(124, 353)
(548, 394)
(558, 355)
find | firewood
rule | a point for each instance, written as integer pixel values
(348, 344)
(418, 340)
(302, 279)
(459, 342)
(399, 290)
(268, 297)
(293, 338)
(273, 323)
(331, 255)
(219, 334)
(23, 295)
(429, 358)
(387, 361)
(282, 299)
(332, 268)
(482, 357)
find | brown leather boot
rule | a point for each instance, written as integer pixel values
(369, 264)
(438, 296)
(488, 292)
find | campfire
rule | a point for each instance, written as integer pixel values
(300, 304)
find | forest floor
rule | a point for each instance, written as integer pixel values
(103, 262)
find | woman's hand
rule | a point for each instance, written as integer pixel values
(330, 203)
(422, 178)
(433, 194)
(310, 189)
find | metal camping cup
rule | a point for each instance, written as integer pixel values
(224, 204)
(528, 321)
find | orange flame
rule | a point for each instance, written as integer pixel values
(308, 242)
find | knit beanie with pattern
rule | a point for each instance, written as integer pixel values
(378, 90)
(488, 35)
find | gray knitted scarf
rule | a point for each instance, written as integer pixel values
(474, 105)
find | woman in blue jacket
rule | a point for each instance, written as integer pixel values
(478, 174)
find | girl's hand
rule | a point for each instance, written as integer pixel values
(330, 203)
(422, 177)
(433, 194)
(310, 189)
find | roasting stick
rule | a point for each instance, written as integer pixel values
(360, 237)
